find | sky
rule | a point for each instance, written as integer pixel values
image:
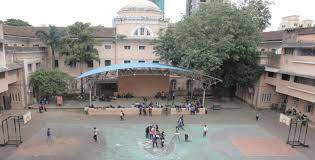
(101, 12)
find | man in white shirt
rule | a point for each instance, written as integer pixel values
(205, 130)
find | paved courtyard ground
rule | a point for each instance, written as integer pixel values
(233, 135)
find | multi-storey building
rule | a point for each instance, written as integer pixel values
(289, 78)
(194, 5)
(295, 21)
(12, 90)
(129, 41)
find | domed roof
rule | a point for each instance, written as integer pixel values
(141, 5)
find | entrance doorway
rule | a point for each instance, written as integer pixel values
(106, 89)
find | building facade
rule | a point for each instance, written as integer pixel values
(159, 3)
(129, 41)
(289, 78)
(295, 21)
(194, 5)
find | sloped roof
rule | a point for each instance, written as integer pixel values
(30, 32)
(140, 5)
(272, 36)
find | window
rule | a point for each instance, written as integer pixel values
(1, 47)
(156, 61)
(288, 50)
(142, 31)
(141, 61)
(107, 46)
(263, 50)
(266, 97)
(13, 72)
(2, 75)
(285, 77)
(90, 64)
(271, 74)
(108, 62)
(56, 63)
(306, 81)
(203, 0)
(307, 52)
(141, 47)
(37, 66)
(35, 45)
(126, 61)
(29, 67)
(127, 47)
(73, 64)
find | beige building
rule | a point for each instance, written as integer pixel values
(128, 41)
(289, 78)
(295, 21)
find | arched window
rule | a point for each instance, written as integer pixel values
(142, 31)
(173, 84)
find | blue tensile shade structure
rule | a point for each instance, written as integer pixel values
(135, 66)
(152, 68)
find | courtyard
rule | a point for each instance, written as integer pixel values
(233, 135)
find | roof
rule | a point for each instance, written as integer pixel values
(29, 31)
(272, 36)
(118, 67)
(140, 5)
(11, 66)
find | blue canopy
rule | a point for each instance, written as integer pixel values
(117, 67)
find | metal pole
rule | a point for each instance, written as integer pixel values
(3, 133)
(7, 129)
(300, 131)
(90, 97)
(305, 133)
(203, 97)
(295, 132)
(289, 132)
(16, 137)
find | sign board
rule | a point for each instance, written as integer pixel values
(27, 117)
(285, 119)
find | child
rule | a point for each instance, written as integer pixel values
(95, 131)
(205, 130)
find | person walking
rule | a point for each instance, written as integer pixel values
(162, 138)
(154, 140)
(95, 133)
(150, 111)
(122, 115)
(257, 117)
(49, 135)
(177, 134)
(147, 130)
(205, 130)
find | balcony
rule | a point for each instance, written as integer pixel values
(305, 92)
(270, 59)
(10, 49)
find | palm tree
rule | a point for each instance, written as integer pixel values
(51, 38)
(78, 45)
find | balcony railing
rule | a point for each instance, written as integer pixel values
(12, 49)
(271, 59)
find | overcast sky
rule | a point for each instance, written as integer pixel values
(66, 12)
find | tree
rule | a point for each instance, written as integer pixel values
(16, 22)
(79, 45)
(51, 38)
(220, 39)
(49, 82)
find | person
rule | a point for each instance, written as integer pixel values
(173, 95)
(147, 130)
(176, 134)
(49, 135)
(152, 131)
(122, 115)
(140, 110)
(144, 111)
(257, 117)
(162, 138)
(156, 127)
(154, 140)
(186, 138)
(150, 111)
(95, 132)
(205, 130)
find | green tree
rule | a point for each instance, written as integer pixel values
(79, 45)
(16, 22)
(52, 38)
(49, 82)
(220, 39)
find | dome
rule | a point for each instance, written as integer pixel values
(141, 5)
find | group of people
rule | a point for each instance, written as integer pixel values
(42, 105)
(192, 107)
(153, 133)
